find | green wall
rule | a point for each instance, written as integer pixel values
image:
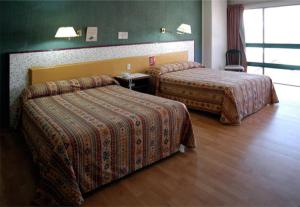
(31, 25)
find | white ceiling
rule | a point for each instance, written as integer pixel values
(264, 3)
(248, 1)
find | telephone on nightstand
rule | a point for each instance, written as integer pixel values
(127, 74)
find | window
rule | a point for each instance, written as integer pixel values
(253, 20)
(281, 25)
(255, 70)
(254, 54)
(273, 43)
(289, 77)
(282, 56)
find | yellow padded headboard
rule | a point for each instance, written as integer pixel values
(111, 67)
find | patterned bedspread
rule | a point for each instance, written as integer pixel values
(233, 95)
(84, 139)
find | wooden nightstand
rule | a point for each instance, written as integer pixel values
(139, 82)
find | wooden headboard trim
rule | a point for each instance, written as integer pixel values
(111, 67)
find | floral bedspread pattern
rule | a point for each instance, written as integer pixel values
(86, 138)
(233, 95)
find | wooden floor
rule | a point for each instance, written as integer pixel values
(255, 164)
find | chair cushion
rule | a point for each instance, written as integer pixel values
(234, 67)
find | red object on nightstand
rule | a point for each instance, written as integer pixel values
(152, 60)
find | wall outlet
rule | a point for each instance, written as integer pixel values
(91, 34)
(122, 35)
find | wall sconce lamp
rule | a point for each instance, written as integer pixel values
(184, 29)
(67, 32)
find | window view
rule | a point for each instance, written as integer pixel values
(253, 21)
(282, 56)
(254, 54)
(273, 43)
(280, 25)
(290, 77)
(255, 70)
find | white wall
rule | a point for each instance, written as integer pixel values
(206, 33)
(219, 33)
(214, 33)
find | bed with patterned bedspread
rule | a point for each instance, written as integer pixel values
(87, 132)
(232, 95)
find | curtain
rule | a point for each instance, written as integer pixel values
(235, 30)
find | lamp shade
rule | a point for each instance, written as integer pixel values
(184, 29)
(65, 32)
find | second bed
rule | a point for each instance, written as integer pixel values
(232, 95)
